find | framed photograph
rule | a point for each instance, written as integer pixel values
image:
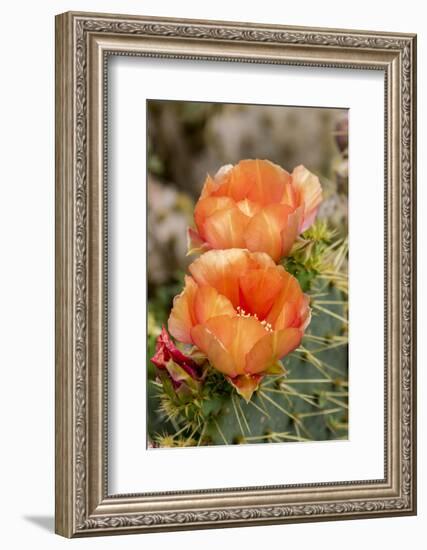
(235, 274)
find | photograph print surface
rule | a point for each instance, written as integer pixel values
(247, 268)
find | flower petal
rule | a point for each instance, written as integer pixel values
(209, 303)
(195, 243)
(209, 187)
(226, 228)
(310, 190)
(271, 348)
(215, 350)
(260, 260)
(222, 328)
(264, 181)
(263, 233)
(237, 336)
(249, 208)
(222, 172)
(207, 207)
(259, 289)
(285, 308)
(233, 183)
(292, 314)
(245, 333)
(304, 312)
(284, 315)
(291, 195)
(221, 269)
(182, 317)
(291, 230)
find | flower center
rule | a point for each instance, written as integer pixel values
(242, 313)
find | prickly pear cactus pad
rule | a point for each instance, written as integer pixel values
(248, 329)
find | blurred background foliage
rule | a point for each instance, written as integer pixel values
(188, 140)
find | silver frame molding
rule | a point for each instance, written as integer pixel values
(83, 43)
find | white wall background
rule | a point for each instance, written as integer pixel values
(27, 273)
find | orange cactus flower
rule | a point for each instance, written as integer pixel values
(243, 311)
(255, 205)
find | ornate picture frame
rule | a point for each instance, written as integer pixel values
(84, 42)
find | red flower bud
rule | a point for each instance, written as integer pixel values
(167, 351)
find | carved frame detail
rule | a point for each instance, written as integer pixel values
(83, 43)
